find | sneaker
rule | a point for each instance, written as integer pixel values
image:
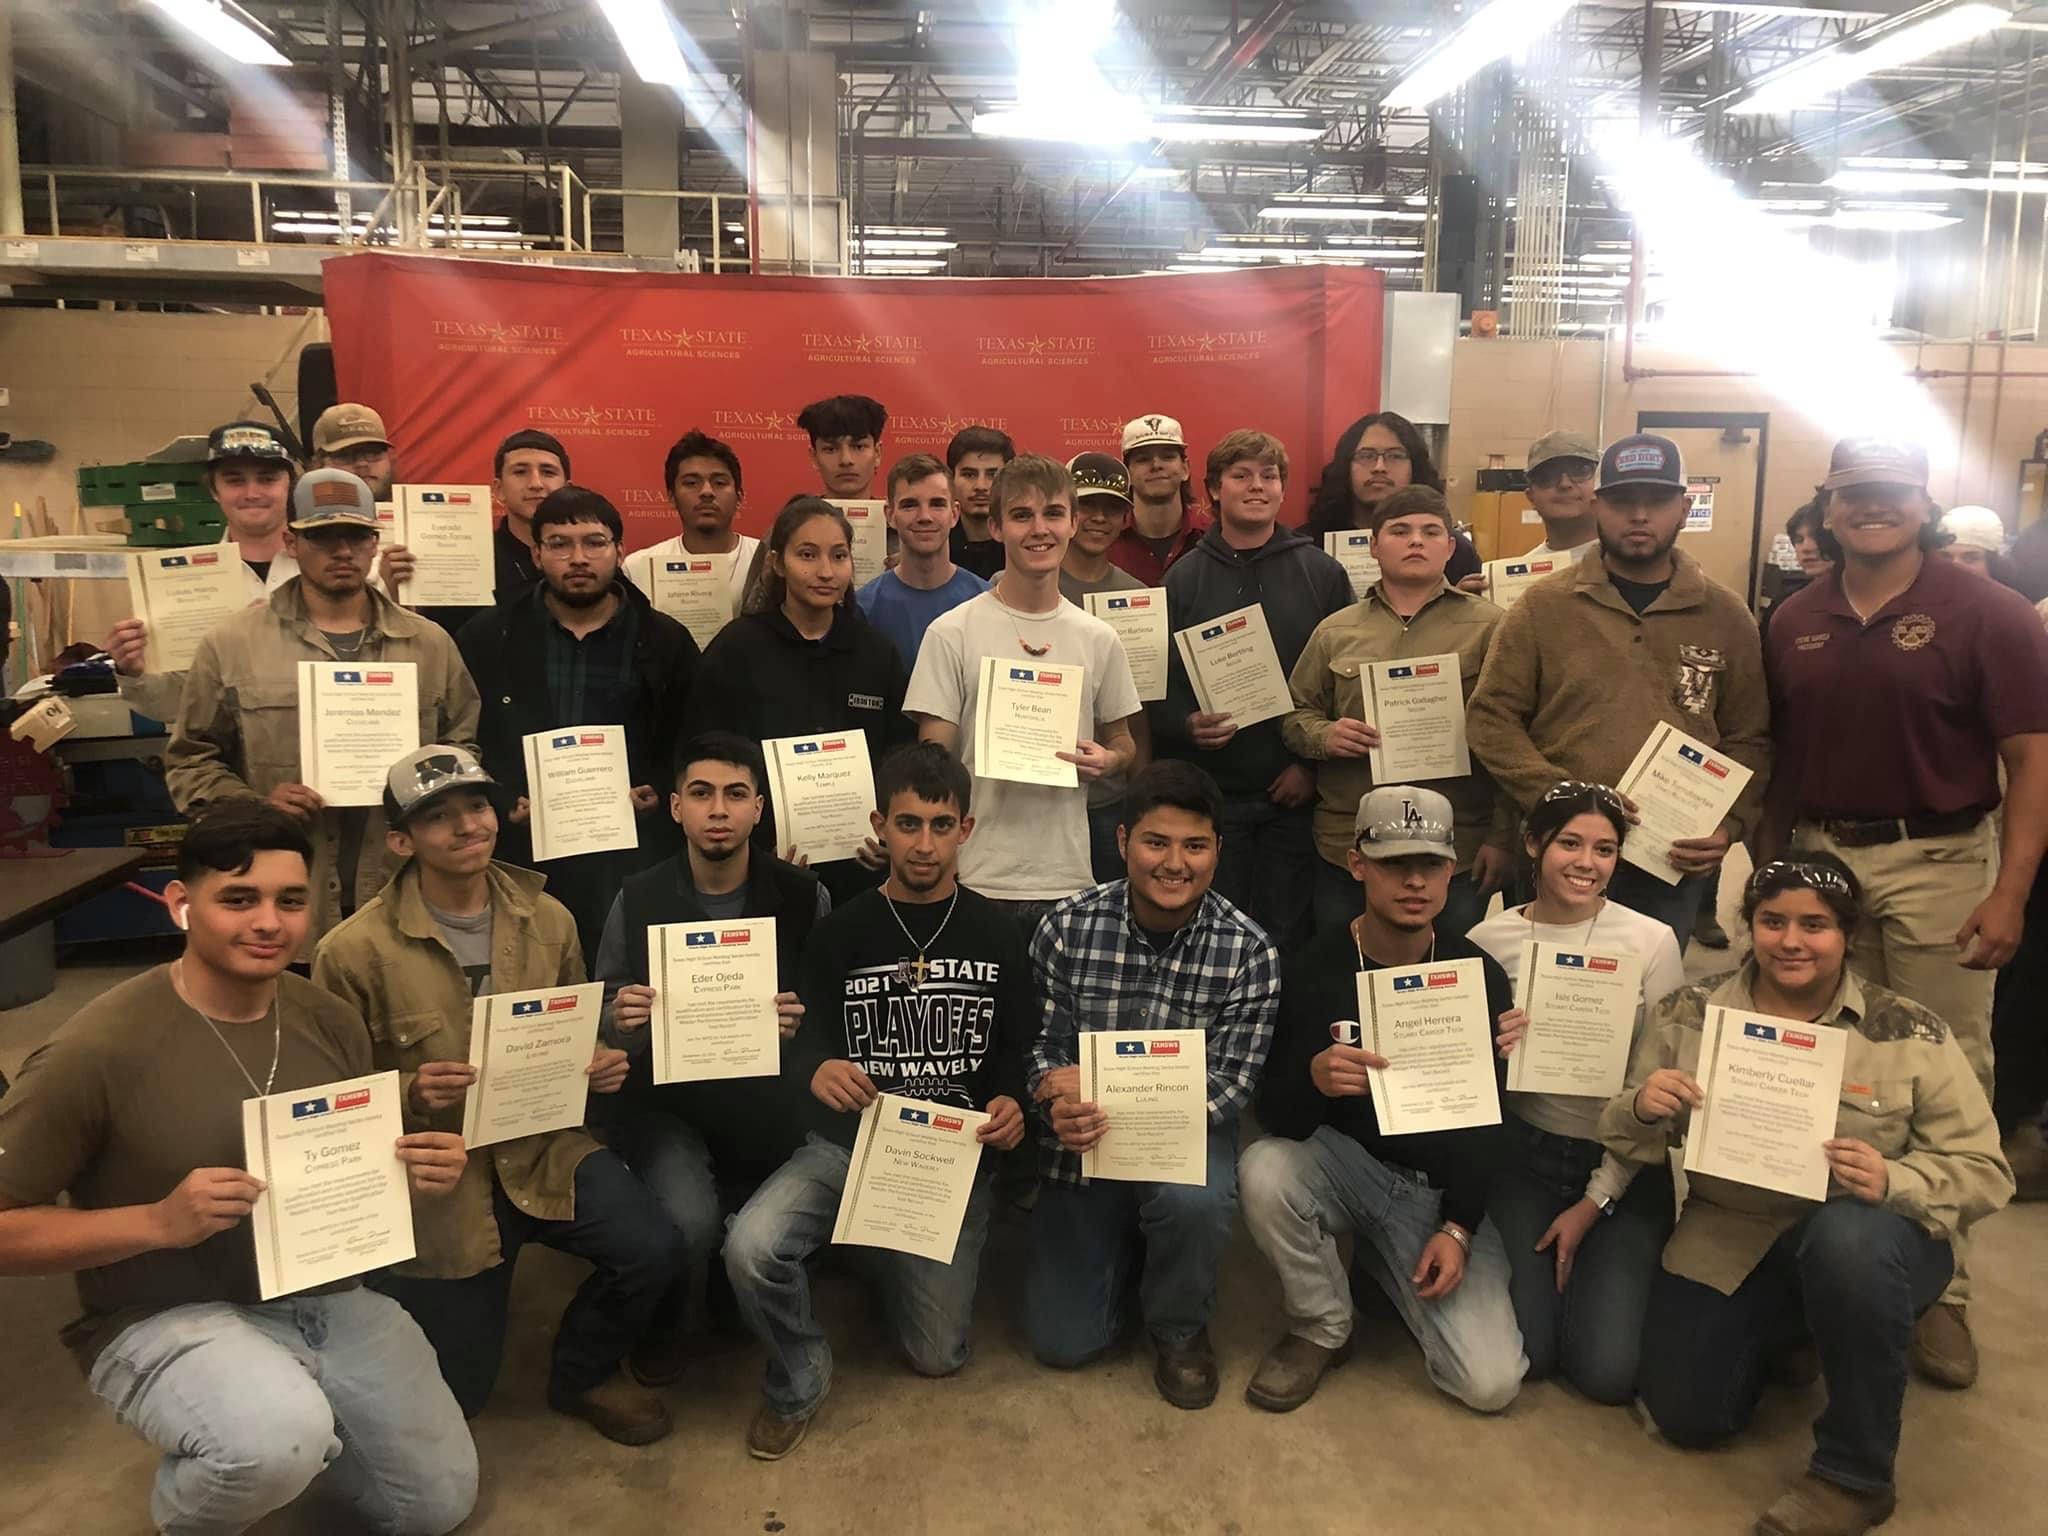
(1707, 931)
(2026, 1149)
(1186, 1372)
(1813, 1506)
(771, 1437)
(1943, 1351)
(658, 1359)
(1291, 1372)
(616, 1409)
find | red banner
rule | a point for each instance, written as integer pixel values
(618, 365)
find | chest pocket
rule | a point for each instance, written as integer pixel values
(1879, 1112)
(268, 716)
(1349, 689)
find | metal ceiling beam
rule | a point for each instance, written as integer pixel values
(451, 43)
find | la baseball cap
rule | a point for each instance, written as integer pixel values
(1398, 821)
(1975, 528)
(348, 426)
(1100, 474)
(325, 498)
(1643, 458)
(250, 440)
(1563, 444)
(1875, 461)
(422, 776)
(1146, 431)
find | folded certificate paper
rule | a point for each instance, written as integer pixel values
(1139, 619)
(531, 1051)
(1429, 1022)
(180, 594)
(823, 791)
(355, 720)
(913, 1169)
(1154, 1087)
(336, 1201)
(1507, 580)
(1682, 788)
(1234, 668)
(1352, 549)
(447, 530)
(695, 591)
(869, 521)
(1773, 1095)
(1024, 717)
(579, 791)
(714, 1000)
(1418, 707)
(1582, 1007)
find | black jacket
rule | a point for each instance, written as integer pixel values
(515, 573)
(1298, 586)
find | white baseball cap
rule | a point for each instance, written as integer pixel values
(1146, 431)
(1975, 528)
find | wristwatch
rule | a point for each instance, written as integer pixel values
(1605, 1204)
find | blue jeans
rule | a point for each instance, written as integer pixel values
(1593, 1331)
(250, 1404)
(1339, 898)
(618, 1227)
(1861, 1275)
(930, 1306)
(1301, 1196)
(671, 1159)
(1267, 867)
(1085, 1241)
(1675, 906)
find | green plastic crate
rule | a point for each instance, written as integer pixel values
(175, 522)
(124, 485)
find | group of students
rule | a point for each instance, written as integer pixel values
(1199, 876)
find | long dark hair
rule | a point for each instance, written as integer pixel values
(1332, 509)
(1566, 802)
(767, 589)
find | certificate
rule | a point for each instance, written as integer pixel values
(1429, 1022)
(355, 720)
(869, 521)
(695, 591)
(531, 1051)
(1773, 1092)
(1582, 1006)
(913, 1169)
(336, 1201)
(1507, 580)
(1681, 788)
(1154, 1087)
(1139, 619)
(1024, 716)
(1352, 549)
(579, 791)
(180, 594)
(1234, 668)
(714, 1000)
(823, 791)
(447, 530)
(1418, 707)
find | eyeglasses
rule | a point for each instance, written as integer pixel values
(1548, 477)
(1815, 877)
(590, 544)
(1387, 456)
(1576, 789)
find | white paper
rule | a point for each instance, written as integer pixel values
(1507, 580)
(1418, 706)
(1582, 1007)
(869, 521)
(447, 530)
(1429, 1022)
(1352, 549)
(531, 1051)
(1154, 1087)
(1682, 788)
(1234, 668)
(180, 595)
(912, 1172)
(336, 1201)
(823, 791)
(714, 1000)
(1773, 1090)
(356, 719)
(1025, 715)
(1139, 619)
(695, 591)
(579, 791)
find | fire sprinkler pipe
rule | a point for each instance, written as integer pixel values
(10, 145)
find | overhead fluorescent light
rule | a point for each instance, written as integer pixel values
(1818, 76)
(868, 247)
(902, 266)
(904, 231)
(1494, 31)
(647, 37)
(1236, 125)
(1309, 253)
(1125, 122)
(1933, 181)
(1325, 208)
(225, 33)
(1894, 221)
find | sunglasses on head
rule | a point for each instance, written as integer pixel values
(1815, 877)
(1404, 832)
(1574, 789)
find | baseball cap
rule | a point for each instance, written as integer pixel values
(1100, 474)
(347, 426)
(1642, 458)
(1145, 431)
(1563, 444)
(246, 440)
(1975, 527)
(1398, 821)
(421, 776)
(324, 498)
(1875, 461)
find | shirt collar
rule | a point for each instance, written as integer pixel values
(1205, 914)
(1739, 990)
(1376, 594)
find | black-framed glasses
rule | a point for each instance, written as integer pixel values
(1815, 877)
(1387, 456)
(590, 544)
(1548, 477)
(1574, 789)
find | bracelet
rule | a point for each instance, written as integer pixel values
(1452, 1230)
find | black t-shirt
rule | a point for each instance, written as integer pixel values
(260, 567)
(1639, 594)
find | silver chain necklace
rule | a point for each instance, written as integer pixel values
(276, 1038)
(914, 973)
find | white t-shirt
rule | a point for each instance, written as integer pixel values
(1617, 927)
(1543, 550)
(1030, 841)
(639, 566)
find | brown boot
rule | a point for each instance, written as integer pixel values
(1943, 1351)
(1186, 1373)
(1291, 1372)
(771, 1437)
(616, 1409)
(2027, 1150)
(1814, 1506)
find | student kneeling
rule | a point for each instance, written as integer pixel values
(451, 926)
(918, 989)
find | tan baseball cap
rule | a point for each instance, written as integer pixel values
(1147, 431)
(1398, 821)
(346, 426)
(1563, 444)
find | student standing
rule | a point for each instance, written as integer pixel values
(1165, 522)
(846, 443)
(925, 582)
(706, 488)
(1562, 466)
(1376, 456)
(973, 457)
(352, 437)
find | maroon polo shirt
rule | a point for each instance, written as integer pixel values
(1132, 552)
(1902, 716)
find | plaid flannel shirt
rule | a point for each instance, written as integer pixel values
(1095, 970)
(591, 680)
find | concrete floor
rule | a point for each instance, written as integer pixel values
(1007, 1446)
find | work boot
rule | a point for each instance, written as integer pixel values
(658, 1359)
(616, 1409)
(1291, 1372)
(1943, 1351)
(1813, 1506)
(1186, 1372)
(771, 1437)
(1707, 930)
(2027, 1150)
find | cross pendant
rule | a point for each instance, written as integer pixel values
(920, 969)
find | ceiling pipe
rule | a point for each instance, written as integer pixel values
(11, 222)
